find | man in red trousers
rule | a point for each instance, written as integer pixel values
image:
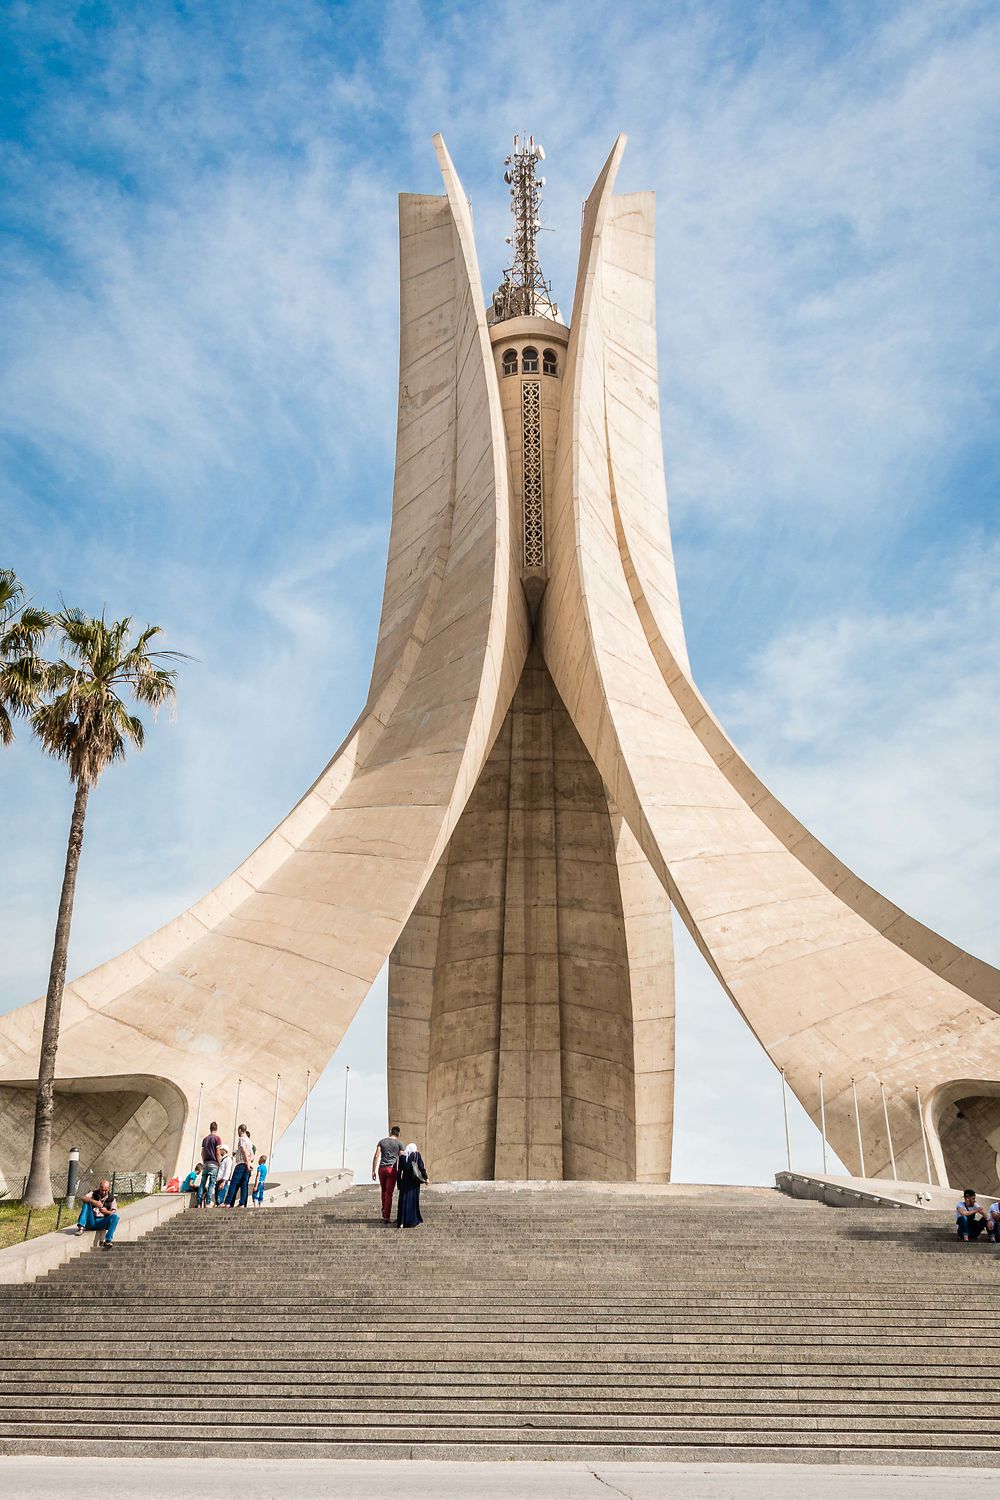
(384, 1164)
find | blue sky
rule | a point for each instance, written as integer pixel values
(197, 408)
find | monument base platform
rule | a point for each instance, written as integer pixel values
(569, 1321)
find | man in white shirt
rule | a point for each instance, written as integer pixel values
(971, 1218)
(244, 1155)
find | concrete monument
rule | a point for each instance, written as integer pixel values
(533, 783)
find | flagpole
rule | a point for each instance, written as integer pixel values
(347, 1087)
(305, 1123)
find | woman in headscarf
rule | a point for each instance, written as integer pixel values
(412, 1174)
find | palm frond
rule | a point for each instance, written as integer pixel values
(11, 594)
(84, 720)
(23, 627)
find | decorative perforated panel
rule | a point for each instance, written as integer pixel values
(531, 451)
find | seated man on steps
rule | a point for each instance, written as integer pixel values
(994, 1229)
(191, 1181)
(98, 1210)
(971, 1218)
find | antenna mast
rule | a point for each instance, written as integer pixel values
(524, 292)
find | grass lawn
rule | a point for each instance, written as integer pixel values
(14, 1217)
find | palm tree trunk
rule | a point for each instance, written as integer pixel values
(38, 1193)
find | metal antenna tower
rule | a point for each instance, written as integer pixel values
(524, 292)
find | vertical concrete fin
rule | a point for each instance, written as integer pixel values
(650, 952)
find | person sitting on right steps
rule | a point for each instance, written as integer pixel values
(971, 1218)
(994, 1229)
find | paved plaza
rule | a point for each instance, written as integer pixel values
(341, 1479)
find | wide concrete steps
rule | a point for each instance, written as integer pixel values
(570, 1323)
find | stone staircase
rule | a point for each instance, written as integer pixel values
(573, 1322)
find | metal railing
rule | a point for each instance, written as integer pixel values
(316, 1182)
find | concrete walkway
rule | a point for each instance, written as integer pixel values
(341, 1479)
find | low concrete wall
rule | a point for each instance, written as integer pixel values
(34, 1258)
(865, 1192)
(290, 1189)
(26, 1262)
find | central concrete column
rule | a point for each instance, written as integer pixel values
(529, 1099)
(531, 992)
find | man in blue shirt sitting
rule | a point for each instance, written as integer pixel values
(971, 1218)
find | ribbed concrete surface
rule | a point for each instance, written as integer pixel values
(582, 1323)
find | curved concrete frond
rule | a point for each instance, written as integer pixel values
(265, 973)
(829, 976)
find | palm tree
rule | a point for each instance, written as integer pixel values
(22, 630)
(83, 720)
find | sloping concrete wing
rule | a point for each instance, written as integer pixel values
(265, 973)
(830, 975)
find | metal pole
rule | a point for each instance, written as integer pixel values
(923, 1137)
(347, 1086)
(274, 1116)
(72, 1175)
(305, 1123)
(236, 1117)
(784, 1107)
(857, 1121)
(197, 1126)
(822, 1120)
(888, 1132)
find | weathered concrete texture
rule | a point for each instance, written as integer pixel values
(265, 974)
(531, 994)
(829, 975)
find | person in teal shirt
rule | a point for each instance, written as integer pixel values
(192, 1180)
(258, 1185)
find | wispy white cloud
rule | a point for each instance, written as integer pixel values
(882, 730)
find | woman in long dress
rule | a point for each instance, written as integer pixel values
(412, 1173)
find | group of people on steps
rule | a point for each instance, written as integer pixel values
(395, 1165)
(223, 1176)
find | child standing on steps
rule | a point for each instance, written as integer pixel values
(258, 1186)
